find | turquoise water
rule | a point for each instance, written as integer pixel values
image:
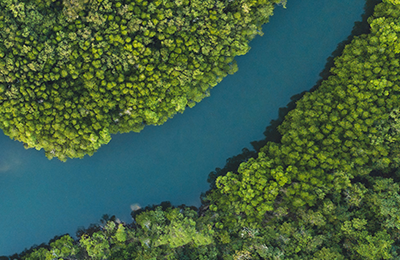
(41, 198)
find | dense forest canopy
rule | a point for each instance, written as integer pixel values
(346, 128)
(329, 190)
(72, 72)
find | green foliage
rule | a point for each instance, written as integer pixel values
(173, 231)
(345, 129)
(72, 8)
(360, 222)
(60, 249)
(97, 246)
(329, 190)
(72, 72)
(174, 228)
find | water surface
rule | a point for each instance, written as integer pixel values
(40, 199)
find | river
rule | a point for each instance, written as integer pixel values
(42, 198)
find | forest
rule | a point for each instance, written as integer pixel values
(73, 72)
(330, 189)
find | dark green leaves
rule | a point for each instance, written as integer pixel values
(169, 51)
(346, 128)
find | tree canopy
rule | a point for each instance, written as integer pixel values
(72, 72)
(329, 190)
(346, 128)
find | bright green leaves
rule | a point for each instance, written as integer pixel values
(182, 231)
(88, 76)
(62, 248)
(174, 228)
(96, 246)
(360, 221)
(150, 117)
(86, 59)
(376, 246)
(346, 128)
(394, 2)
(120, 235)
(368, 246)
(300, 193)
(96, 64)
(156, 233)
(179, 104)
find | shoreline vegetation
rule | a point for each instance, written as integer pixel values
(328, 190)
(73, 72)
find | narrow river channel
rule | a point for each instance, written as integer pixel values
(40, 199)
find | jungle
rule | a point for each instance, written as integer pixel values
(328, 189)
(73, 72)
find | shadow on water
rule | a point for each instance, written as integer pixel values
(164, 205)
(360, 27)
(271, 133)
(31, 249)
(93, 228)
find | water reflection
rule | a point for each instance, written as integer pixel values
(10, 156)
(9, 162)
(4, 167)
(135, 206)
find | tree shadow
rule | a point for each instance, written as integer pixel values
(19, 256)
(359, 28)
(164, 206)
(272, 133)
